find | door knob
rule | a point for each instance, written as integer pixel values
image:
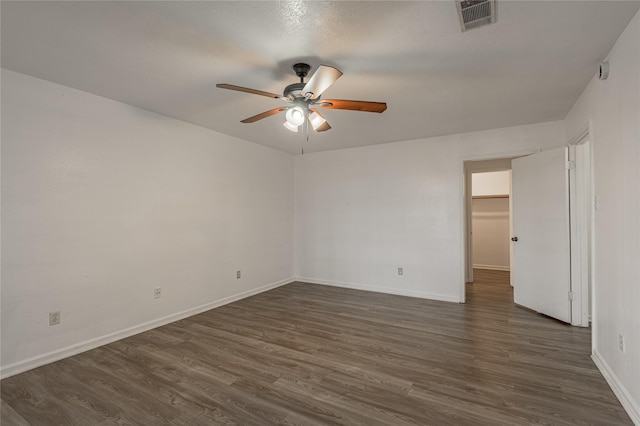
(514, 238)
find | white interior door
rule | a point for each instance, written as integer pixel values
(541, 254)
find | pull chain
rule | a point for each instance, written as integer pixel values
(305, 131)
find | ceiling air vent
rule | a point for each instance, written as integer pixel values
(476, 13)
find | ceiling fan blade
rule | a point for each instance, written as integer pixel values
(320, 81)
(247, 90)
(365, 106)
(263, 115)
(320, 124)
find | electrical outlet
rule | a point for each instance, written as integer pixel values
(157, 292)
(54, 318)
(238, 275)
(621, 342)
(400, 271)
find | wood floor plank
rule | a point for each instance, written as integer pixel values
(305, 354)
(10, 416)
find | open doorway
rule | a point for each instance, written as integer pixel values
(487, 198)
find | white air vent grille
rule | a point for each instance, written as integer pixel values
(476, 13)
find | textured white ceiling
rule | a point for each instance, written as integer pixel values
(167, 57)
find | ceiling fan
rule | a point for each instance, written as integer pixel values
(305, 98)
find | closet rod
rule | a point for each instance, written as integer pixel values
(489, 196)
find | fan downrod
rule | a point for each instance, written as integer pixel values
(301, 70)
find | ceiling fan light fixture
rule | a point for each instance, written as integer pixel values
(304, 98)
(295, 116)
(316, 120)
(290, 126)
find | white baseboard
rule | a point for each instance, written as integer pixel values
(493, 267)
(618, 388)
(387, 290)
(47, 358)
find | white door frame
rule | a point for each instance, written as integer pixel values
(501, 165)
(581, 219)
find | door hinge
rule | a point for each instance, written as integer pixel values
(570, 295)
(571, 165)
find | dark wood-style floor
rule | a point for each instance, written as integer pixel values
(315, 355)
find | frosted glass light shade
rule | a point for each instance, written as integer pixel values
(316, 120)
(290, 126)
(295, 116)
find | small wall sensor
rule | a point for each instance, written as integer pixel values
(603, 71)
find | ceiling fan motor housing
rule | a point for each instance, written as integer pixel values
(294, 90)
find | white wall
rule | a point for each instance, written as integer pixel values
(490, 183)
(361, 213)
(102, 202)
(612, 108)
(490, 220)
